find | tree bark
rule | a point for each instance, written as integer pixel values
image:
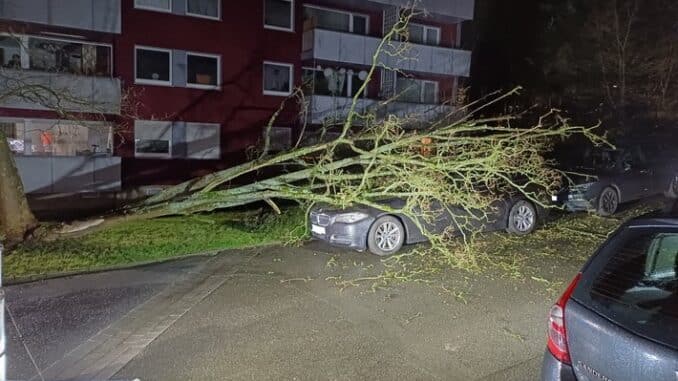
(16, 218)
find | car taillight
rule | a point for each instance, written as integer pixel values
(557, 341)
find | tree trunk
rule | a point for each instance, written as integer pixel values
(16, 217)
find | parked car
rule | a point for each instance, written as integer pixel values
(383, 233)
(618, 319)
(613, 177)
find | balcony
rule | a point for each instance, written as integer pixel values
(93, 15)
(332, 110)
(76, 93)
(327, 45)
(69, 174)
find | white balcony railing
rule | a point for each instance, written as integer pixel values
(329, 109)
(75, 93)
(69, 174)
(327, 45)
(94, 15)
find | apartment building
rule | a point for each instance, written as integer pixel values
(166, 90)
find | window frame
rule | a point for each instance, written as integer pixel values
(218, 18)
(263, 79)
(436, 91)
(426, 29)
(150, 155)
(350, 19)
(279, 28)
(421, 89)
(199, 86)
(155, 9)
(144, 81)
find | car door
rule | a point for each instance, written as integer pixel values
(632, 177)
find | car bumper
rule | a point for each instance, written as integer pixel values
(554, 370)
(352, 236)
(575, 202)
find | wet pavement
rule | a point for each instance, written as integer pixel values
(276, 313)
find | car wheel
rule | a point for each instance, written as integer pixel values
(386, 236)
(522, 218)
(608, 202)
(672, 192)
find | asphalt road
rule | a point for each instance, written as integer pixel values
(271, 313)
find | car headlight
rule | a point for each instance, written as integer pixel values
(349, 218)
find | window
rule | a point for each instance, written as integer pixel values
(152, 139)
(279, 14)
(69, 57)
(153, 66)
(328, 81)
(202, 141)
(15, 133)
(416, 90)
(425, 35)
(203, 70)
(10, 52)
(155, 5)
(280, 138)
(63, 138)
(633, 281)
(278, 78)
(204, 8)
(331, 19)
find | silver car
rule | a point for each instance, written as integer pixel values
(618, 319)
(383, 233)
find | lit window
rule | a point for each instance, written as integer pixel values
(153, 66)
(277, 78)
(155, 5)
(204, 8)
(279, 14)
(153, 139)
(62, 138)
(203, 70)
(425, 35)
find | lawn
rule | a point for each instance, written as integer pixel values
(152, 240)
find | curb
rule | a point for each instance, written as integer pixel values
(126, 266)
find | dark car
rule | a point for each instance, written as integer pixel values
(383, 233)
(618, 319)
(611, 177)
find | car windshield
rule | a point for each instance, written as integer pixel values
(634, 282)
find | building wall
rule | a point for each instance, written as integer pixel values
(240, 106)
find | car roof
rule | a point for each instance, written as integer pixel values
(666, 217)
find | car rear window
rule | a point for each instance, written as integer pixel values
(634, 283)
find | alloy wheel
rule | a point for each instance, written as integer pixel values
(523, 220)
(609, 201)
(387, 236)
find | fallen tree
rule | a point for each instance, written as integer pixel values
(459, 160)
